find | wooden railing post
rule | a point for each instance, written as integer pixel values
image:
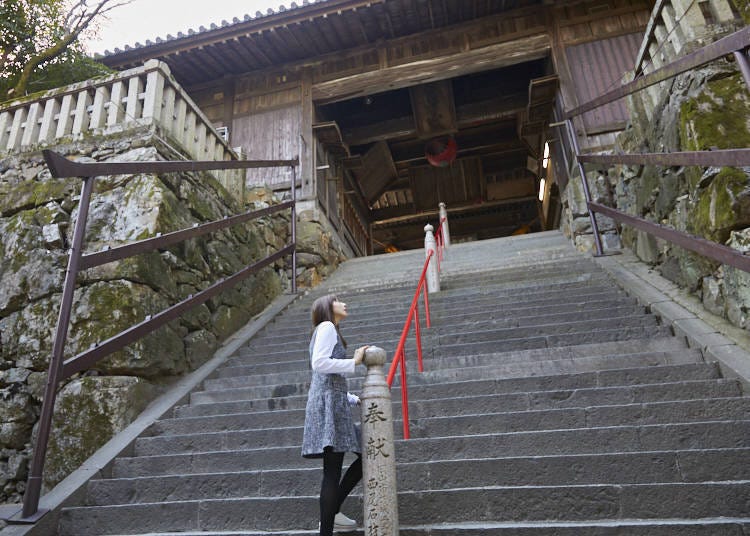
(378, 449)
(430, 244)
(30, 512)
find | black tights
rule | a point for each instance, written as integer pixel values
(334, 489)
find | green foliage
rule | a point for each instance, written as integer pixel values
(30, 27)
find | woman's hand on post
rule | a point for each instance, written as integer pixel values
(359, 354)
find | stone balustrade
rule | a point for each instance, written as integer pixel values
(676, 28)
(144, 96)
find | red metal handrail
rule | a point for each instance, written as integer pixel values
(399, 355)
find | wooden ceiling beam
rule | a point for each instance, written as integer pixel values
(292, 37)
(467, 116)
(249, 61)
(201, 65)
(252, 46)
(486, 208)
(357, 16)
(279, 45)
(495, 56)
(304, 28)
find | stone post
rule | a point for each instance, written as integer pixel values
(444, 225)
(433, 277)
(378, 453)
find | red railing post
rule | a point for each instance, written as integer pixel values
(426, 305)
(404, 397)
(419, 338)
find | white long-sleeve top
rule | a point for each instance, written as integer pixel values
(326, 337)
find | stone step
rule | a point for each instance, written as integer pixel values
(585, 291)
(492, 309)
(653, 527)
(548, 393)
(661, 344)
(494, 284)
(633, 334)
(614, 376)
(641, 438)
(299, 370)
(304, 478)
(498, 285)
(510, 339)
(486, 331)
(238, 431)
(495, 503)
(450, 325)
(433, 374)
(431, 407)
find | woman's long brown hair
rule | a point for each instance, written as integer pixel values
(322, 310)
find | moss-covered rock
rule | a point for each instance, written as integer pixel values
(104, 309)
(88, 412)
(736, 284)
(743, 6)
(19, 194)
(722, 206)
(717, 116)
(685, 268)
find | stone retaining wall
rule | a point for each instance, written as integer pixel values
(36, 219)
(708, 108)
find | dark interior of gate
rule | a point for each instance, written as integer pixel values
(474, 142)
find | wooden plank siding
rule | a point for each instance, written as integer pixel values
(269, 135)
(598, 67)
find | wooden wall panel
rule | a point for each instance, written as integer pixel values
(211, 102)
(598, 67)
(271, 135)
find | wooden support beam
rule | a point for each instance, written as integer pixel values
(470, 115)
(495, 56)
(434, 109)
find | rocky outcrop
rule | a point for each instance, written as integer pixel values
(706, 109)
(36, 219)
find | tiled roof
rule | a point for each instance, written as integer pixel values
(202, 29)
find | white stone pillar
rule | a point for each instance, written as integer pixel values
(31, 131)
(378, 452)
(444, 225)
(432, 276)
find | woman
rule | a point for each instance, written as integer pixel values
(329, 428)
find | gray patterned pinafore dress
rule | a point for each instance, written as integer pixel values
(328, 417)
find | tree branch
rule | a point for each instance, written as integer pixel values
(76, 21)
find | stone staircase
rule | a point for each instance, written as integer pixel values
(551, 404)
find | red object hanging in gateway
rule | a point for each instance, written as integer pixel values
(441, 151)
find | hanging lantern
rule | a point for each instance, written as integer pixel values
(440, 152)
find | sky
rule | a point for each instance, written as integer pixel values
(148, 19)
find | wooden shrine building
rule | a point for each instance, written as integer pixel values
(396, 105)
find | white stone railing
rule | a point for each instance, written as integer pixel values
(144, 96)
(676, 28)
